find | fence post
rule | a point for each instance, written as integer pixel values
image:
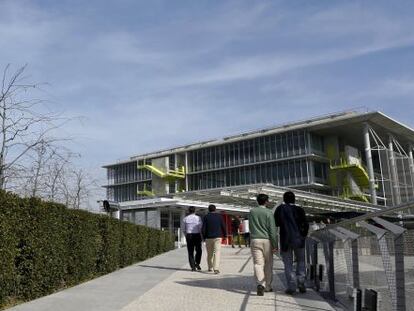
(399, 281)
(352, 260)
(312, 260)
(328, 242)
(395, 279)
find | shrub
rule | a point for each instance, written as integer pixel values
(45, 247)
(42, 249)
(84, 241)
(129, 245)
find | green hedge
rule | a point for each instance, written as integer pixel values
(45, 246)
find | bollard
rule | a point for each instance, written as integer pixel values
(321, 273)
(312, 272)
(370, 300)
(357, 299)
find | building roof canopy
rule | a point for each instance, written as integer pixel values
(243, 198)
(346, 124)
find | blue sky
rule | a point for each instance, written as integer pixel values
(146, 75)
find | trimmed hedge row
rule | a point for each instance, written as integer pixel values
(45, 246)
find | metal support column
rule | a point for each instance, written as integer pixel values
(328, 250)
(399, 271)
(399, 282)
(411, 162)
(370, 166)
(355, 263)
(315, 264)
(181, 236)
(330, 269)
(394, 174)
(411, 158)
(312, 261)
(186, 171)
(351, 256)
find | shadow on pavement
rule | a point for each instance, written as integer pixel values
(163, 268)
(245, 285)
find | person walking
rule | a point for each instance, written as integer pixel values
(293, 232)
(246, 232)
(192, 230)
(235, 224)
(263, 243)
(213, 231)
(310, 243)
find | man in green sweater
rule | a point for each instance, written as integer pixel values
(263, 243)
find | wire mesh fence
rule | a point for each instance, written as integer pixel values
(370, 258)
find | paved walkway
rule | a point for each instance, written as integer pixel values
(165, 283)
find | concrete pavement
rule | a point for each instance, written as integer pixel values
(165, 283)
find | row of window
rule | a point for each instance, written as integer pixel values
(127, 172)
(169, 217)
(128, 192)
(142, 217)
(250, 151)
(286, 173)
(259, 149)
(320, 172)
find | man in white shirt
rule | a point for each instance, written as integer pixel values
(192, 230)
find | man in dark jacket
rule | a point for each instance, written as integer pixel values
(293, 231)
(213, 231)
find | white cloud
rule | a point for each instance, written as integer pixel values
(150, 79)
(124, 47)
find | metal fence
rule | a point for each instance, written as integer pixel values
(367, 262)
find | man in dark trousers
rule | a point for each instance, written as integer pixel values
(293, 231)
(192, 230)
(235, 224)
(213, 231)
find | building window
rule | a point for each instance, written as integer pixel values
(171, 187)
(317, 144)
(165, 220)
(320, 171)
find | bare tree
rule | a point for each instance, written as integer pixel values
(80, 189)
(55, 180)
(22, 127)
(45, 165)
(36, 173)
(65, 187)
(32, 161)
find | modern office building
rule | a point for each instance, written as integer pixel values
(351, 159)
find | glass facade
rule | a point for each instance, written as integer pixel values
(280, 159)
(128, 192)
(260, 149)
(320, 172)
(125, 180)
(317, 144)
(281, 173)
(126, 173)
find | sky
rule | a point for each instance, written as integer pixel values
(139, 76)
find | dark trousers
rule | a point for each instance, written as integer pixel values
(235, 236)
(247, 239)
(194, 242)
(293, 278)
